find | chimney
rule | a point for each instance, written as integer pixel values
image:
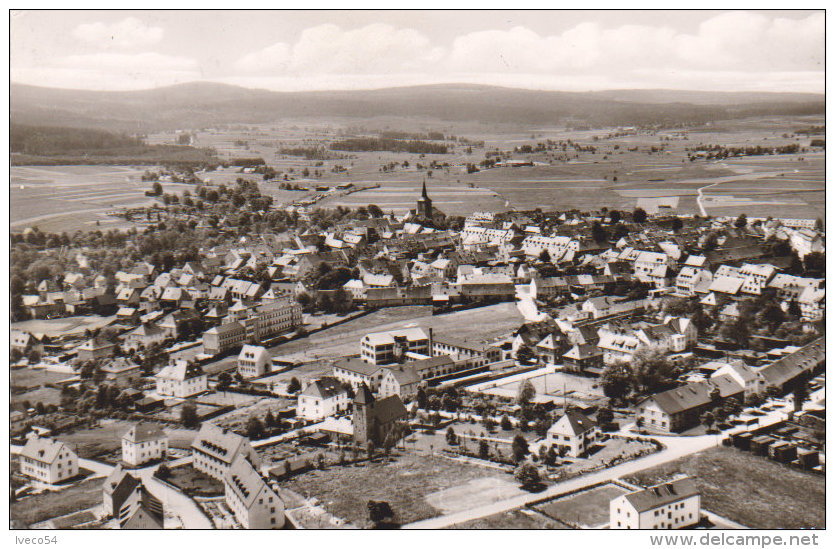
(431, 342)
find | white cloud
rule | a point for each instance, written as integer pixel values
(328, 49)
(271, 58)
(730, 41)
(124, 34)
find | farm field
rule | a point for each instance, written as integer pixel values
(71, 325)
(588, 509)
(407, 482)
(775, 495)
(68, 198)
(622, 169)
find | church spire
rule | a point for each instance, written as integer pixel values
(423, 194)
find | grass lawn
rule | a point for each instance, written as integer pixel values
(45, 395)
(194, 482)
(772, 495)
(588, 509)
(404, 482)
(518, 519)
(27, 377)
(94, 441)
(47, 505)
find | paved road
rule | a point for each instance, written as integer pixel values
(183, 506)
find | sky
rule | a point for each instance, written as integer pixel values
(781, 51)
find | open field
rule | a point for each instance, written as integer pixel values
(589, 509)
(67, 198)
(518, 519)
(556, 385)
(47, 505)
(407, 482)
(772, 495)
(107, 437)
(45, 395)
(71, 325)
(28, 377)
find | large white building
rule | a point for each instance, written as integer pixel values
(214, 449)
(559, 247)
(391, 346)
(182, 380)
(255, 505)
(665, 506)
(252, 324)
(143, 443)
(48, 461)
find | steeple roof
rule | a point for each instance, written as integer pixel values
(363, 395)
(423, 192)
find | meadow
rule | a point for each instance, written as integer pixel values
(620, 170)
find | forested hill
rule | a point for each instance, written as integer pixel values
(204, 104)
(62, 145)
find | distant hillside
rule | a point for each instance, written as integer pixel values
(204, 104)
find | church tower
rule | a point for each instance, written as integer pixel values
(424, 204)
(364, 418)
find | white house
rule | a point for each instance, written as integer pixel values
(665, 506)
(812, 303)
(144, 442)
(49, 461)
(214, 449)
(254, 361)
(747, 377)
(255, 505)
(573, 432)
(400, 380)
(322, 398)
(182, 380)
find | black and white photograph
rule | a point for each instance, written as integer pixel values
(418, 269)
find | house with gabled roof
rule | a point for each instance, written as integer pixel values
(679, 409)
(182, 379)
(254, 361)
(47, 460)
(666, 506)
(357, 372)
(574, 433)
(144, 442)
(214, 449)
(401, 380)
(146, 514)
(323, 398)
(586, 357)
(254, 503)
(95, 348)
(145, 335)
